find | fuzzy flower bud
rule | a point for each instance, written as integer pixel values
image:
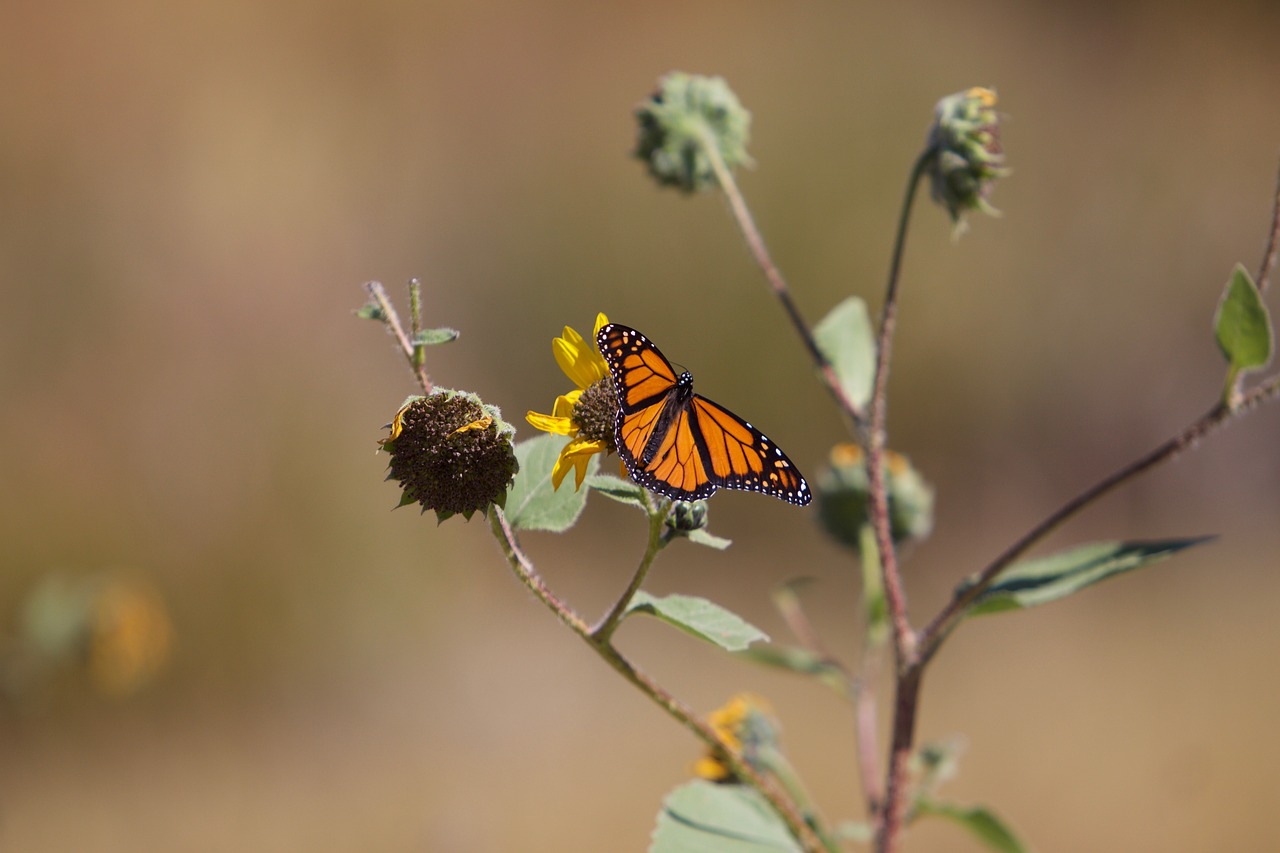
(687, 516)
(747, 725)
(688, 114)
(967, 157)
(843, 497)
(451, 453)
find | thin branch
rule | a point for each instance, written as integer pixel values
(525, 571)
(391, 320)
(866, 690)
(905, 712)
(866, 724)
(603, 631)
(904, 637)
(787, 599)
(1273, 242)
(756, 245)
(933, 635)
(529, 576)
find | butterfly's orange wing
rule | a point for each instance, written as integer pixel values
(740, 456)
(680, 444)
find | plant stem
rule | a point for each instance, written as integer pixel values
(936, 631)
(905, 711)
(1236, 403)
(866, 720)
(756, 245)
(415, 323)
(1273, 242)
(391, 320)
(875, 634)
(525, 571)
(529, 576)
(603, 631)
(904, 637)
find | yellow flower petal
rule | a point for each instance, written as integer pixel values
(577, 357)
(565, 402)
(550, 423)
(707, 767)
(566, 355)
(483, 423)
(572, 338)
(575, 455)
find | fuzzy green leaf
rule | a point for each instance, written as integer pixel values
(1047, 579)
(1242, 327)
(799, 660)
(703, 817)
(532, 502)
(427, 337)
(710, 540)
(618, 489)
(981, 822)
(700, 618)
(847, 341)
(371, 311)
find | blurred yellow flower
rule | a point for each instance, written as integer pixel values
(130, 637)
(744, 724)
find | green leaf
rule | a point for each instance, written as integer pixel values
(981, 822)
(702, 537)
(428, 337)
(1041, 581)
(857, 831)
(703, 817)
(371, 311)
(1242, 327)
(700, 618)
(532, 502)
(847, 341)
(799, 660)
(620, 490)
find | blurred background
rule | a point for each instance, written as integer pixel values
(192, 196)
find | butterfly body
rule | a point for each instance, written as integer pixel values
(680, 444)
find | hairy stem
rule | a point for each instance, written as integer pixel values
(603, 631)
(391, 320)
(1273, 242)
(904, 637)
(905, 712)
(525, 571)
(866, 720)
(936, 631)
(760, 253)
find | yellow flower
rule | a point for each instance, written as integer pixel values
(583, 413)
(131, 637)
(744, 724)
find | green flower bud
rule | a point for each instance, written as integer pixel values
(451, 453)
(687, 516)
(967, 158)
(688, 114)
(843, 491)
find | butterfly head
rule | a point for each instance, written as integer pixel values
(684, 386)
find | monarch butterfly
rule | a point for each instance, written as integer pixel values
(680, 444)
